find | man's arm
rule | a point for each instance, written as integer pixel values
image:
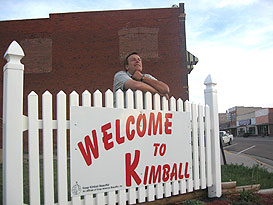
(147, 84)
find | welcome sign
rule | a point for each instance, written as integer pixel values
(114, 149)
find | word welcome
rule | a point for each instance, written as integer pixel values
(154, 124)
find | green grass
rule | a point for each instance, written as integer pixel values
(247, 176)
(242, 175)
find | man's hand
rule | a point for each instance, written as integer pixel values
(137, 75)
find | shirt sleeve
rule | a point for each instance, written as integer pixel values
(119, 79)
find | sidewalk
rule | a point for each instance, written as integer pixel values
(246, 160)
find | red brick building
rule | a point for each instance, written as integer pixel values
(83, 50)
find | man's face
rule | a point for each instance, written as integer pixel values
(134, 64)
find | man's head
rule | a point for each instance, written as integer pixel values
(133, 63)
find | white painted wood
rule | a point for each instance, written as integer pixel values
(138, 100)
(180, 106)
(74, 101)
(86, 98)
(175, 184)
(211, 100)
(48, 148)
(202, 154)
(148, 101)
(183, 187)
(167, 185)
(195, 159)
(208, 146)
(12, 125)
(119, 99)
(61, 148)
(97, 96)
(33, 149)
(150, 191)
(109, 99)
(122, 198)
(129, 99)
(189, 183)
(111, 196)
(159, 187)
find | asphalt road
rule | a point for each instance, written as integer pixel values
(260, 148)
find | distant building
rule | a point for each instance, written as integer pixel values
(246, 121)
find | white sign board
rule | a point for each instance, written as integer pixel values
(115, 148)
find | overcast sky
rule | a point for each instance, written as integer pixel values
(233, 40)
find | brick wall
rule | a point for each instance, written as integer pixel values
(82, 51)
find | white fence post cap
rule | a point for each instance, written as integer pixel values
(209, 80)
(14, 49)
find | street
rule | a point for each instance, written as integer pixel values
(258, 148)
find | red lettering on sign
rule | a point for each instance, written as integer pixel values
(119, 139)
(180, 175)
(146, 175)
(155, 124)
(130, 168)
(89, 145)
(168, 123)
(106, 136)
(130, 135)
(156, 145)
(155, 176)
(141, 117)
(186, 171)
(166, 172)
(174, 172)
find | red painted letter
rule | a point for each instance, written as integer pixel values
(174, 172)
(186, 171)
(88, 144)
(166, 172)
(119, 139)
(106, 137)
(155, 125)
(168, 123)
(144, 121)
(154, 176)
(180, 176)
(130, 168)
(129, 135)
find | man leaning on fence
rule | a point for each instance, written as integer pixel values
(133, 78)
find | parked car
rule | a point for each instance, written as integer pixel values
(226, 137)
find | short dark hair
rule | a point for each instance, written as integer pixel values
(126, 59)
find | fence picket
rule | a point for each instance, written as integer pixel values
(86, 102)
(97, 97)
(148, 106)
(129, 99)
(74, 101)
(190, 181)
(159, 187)
(61, 148)
(86, 98)
(48, 148)
(167, 185)
(195, 148)
(122, 198)
(111, 197)
(208, 146)
(202, 153)
(175, 184)
(33, 149)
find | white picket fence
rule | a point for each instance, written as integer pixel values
(206, 170)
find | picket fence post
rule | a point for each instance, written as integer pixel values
(211, 100)
(12, 125)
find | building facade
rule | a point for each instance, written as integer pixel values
(83, 50)
(248, 121)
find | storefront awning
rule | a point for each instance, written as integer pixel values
(191, 61)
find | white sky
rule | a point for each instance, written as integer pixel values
(233, 40)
